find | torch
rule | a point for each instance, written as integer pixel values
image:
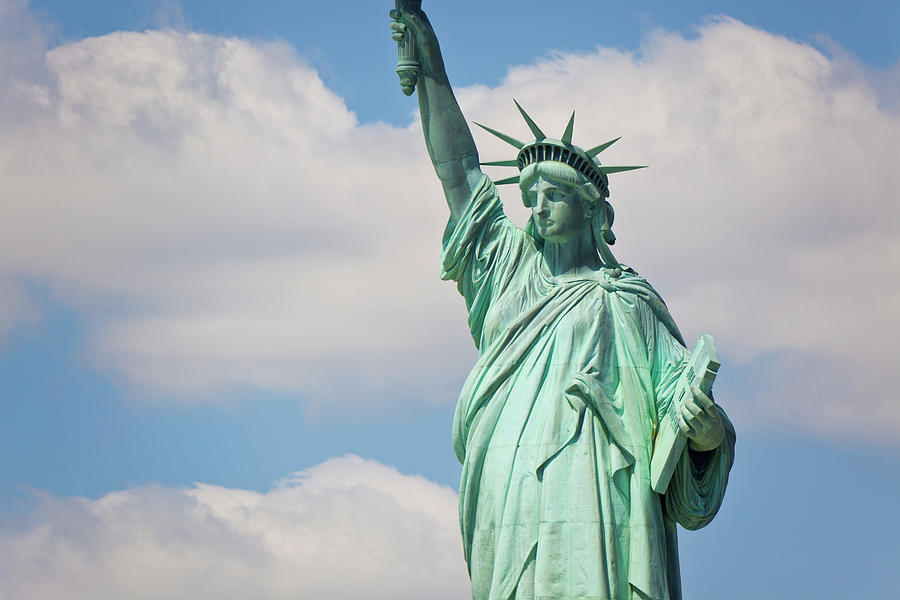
(407, 63)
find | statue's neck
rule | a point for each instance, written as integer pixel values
(575, 257)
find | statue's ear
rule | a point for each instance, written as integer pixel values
(591, 208)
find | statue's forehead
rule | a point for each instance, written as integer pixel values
(548, 180)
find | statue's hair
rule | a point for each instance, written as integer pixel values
(591, 198)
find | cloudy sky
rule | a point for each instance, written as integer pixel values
(228, 366)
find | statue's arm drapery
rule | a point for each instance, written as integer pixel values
(481, 250)
(698, 484)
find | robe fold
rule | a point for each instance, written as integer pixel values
(555, 424)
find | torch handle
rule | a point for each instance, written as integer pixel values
(407, 60)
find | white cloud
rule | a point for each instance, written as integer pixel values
(224, 221)
(348, 528)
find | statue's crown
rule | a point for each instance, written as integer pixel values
(561, 150)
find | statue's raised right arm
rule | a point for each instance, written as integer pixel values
(447, 136)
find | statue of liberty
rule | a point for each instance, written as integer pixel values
(579, 364)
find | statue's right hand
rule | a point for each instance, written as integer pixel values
(415, 22)
(398, 28)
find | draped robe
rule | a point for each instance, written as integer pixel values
(555, 424)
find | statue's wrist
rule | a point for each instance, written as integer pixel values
(433, 65)
(434, 76)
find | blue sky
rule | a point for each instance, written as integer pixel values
(113, 371)
(868, 29)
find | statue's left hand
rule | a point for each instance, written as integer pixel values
(700, 422)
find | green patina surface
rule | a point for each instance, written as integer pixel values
(579, 365)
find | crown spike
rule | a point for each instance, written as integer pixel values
(507, 180)
(605, 169)
(538, 134)
(500, 163)
(509, 140)
(567, 136)
(598, 149)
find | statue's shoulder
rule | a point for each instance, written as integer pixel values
(629, 278)
(625, 280)
(626, 283)
(648, 306)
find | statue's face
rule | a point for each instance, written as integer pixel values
(558, 211)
